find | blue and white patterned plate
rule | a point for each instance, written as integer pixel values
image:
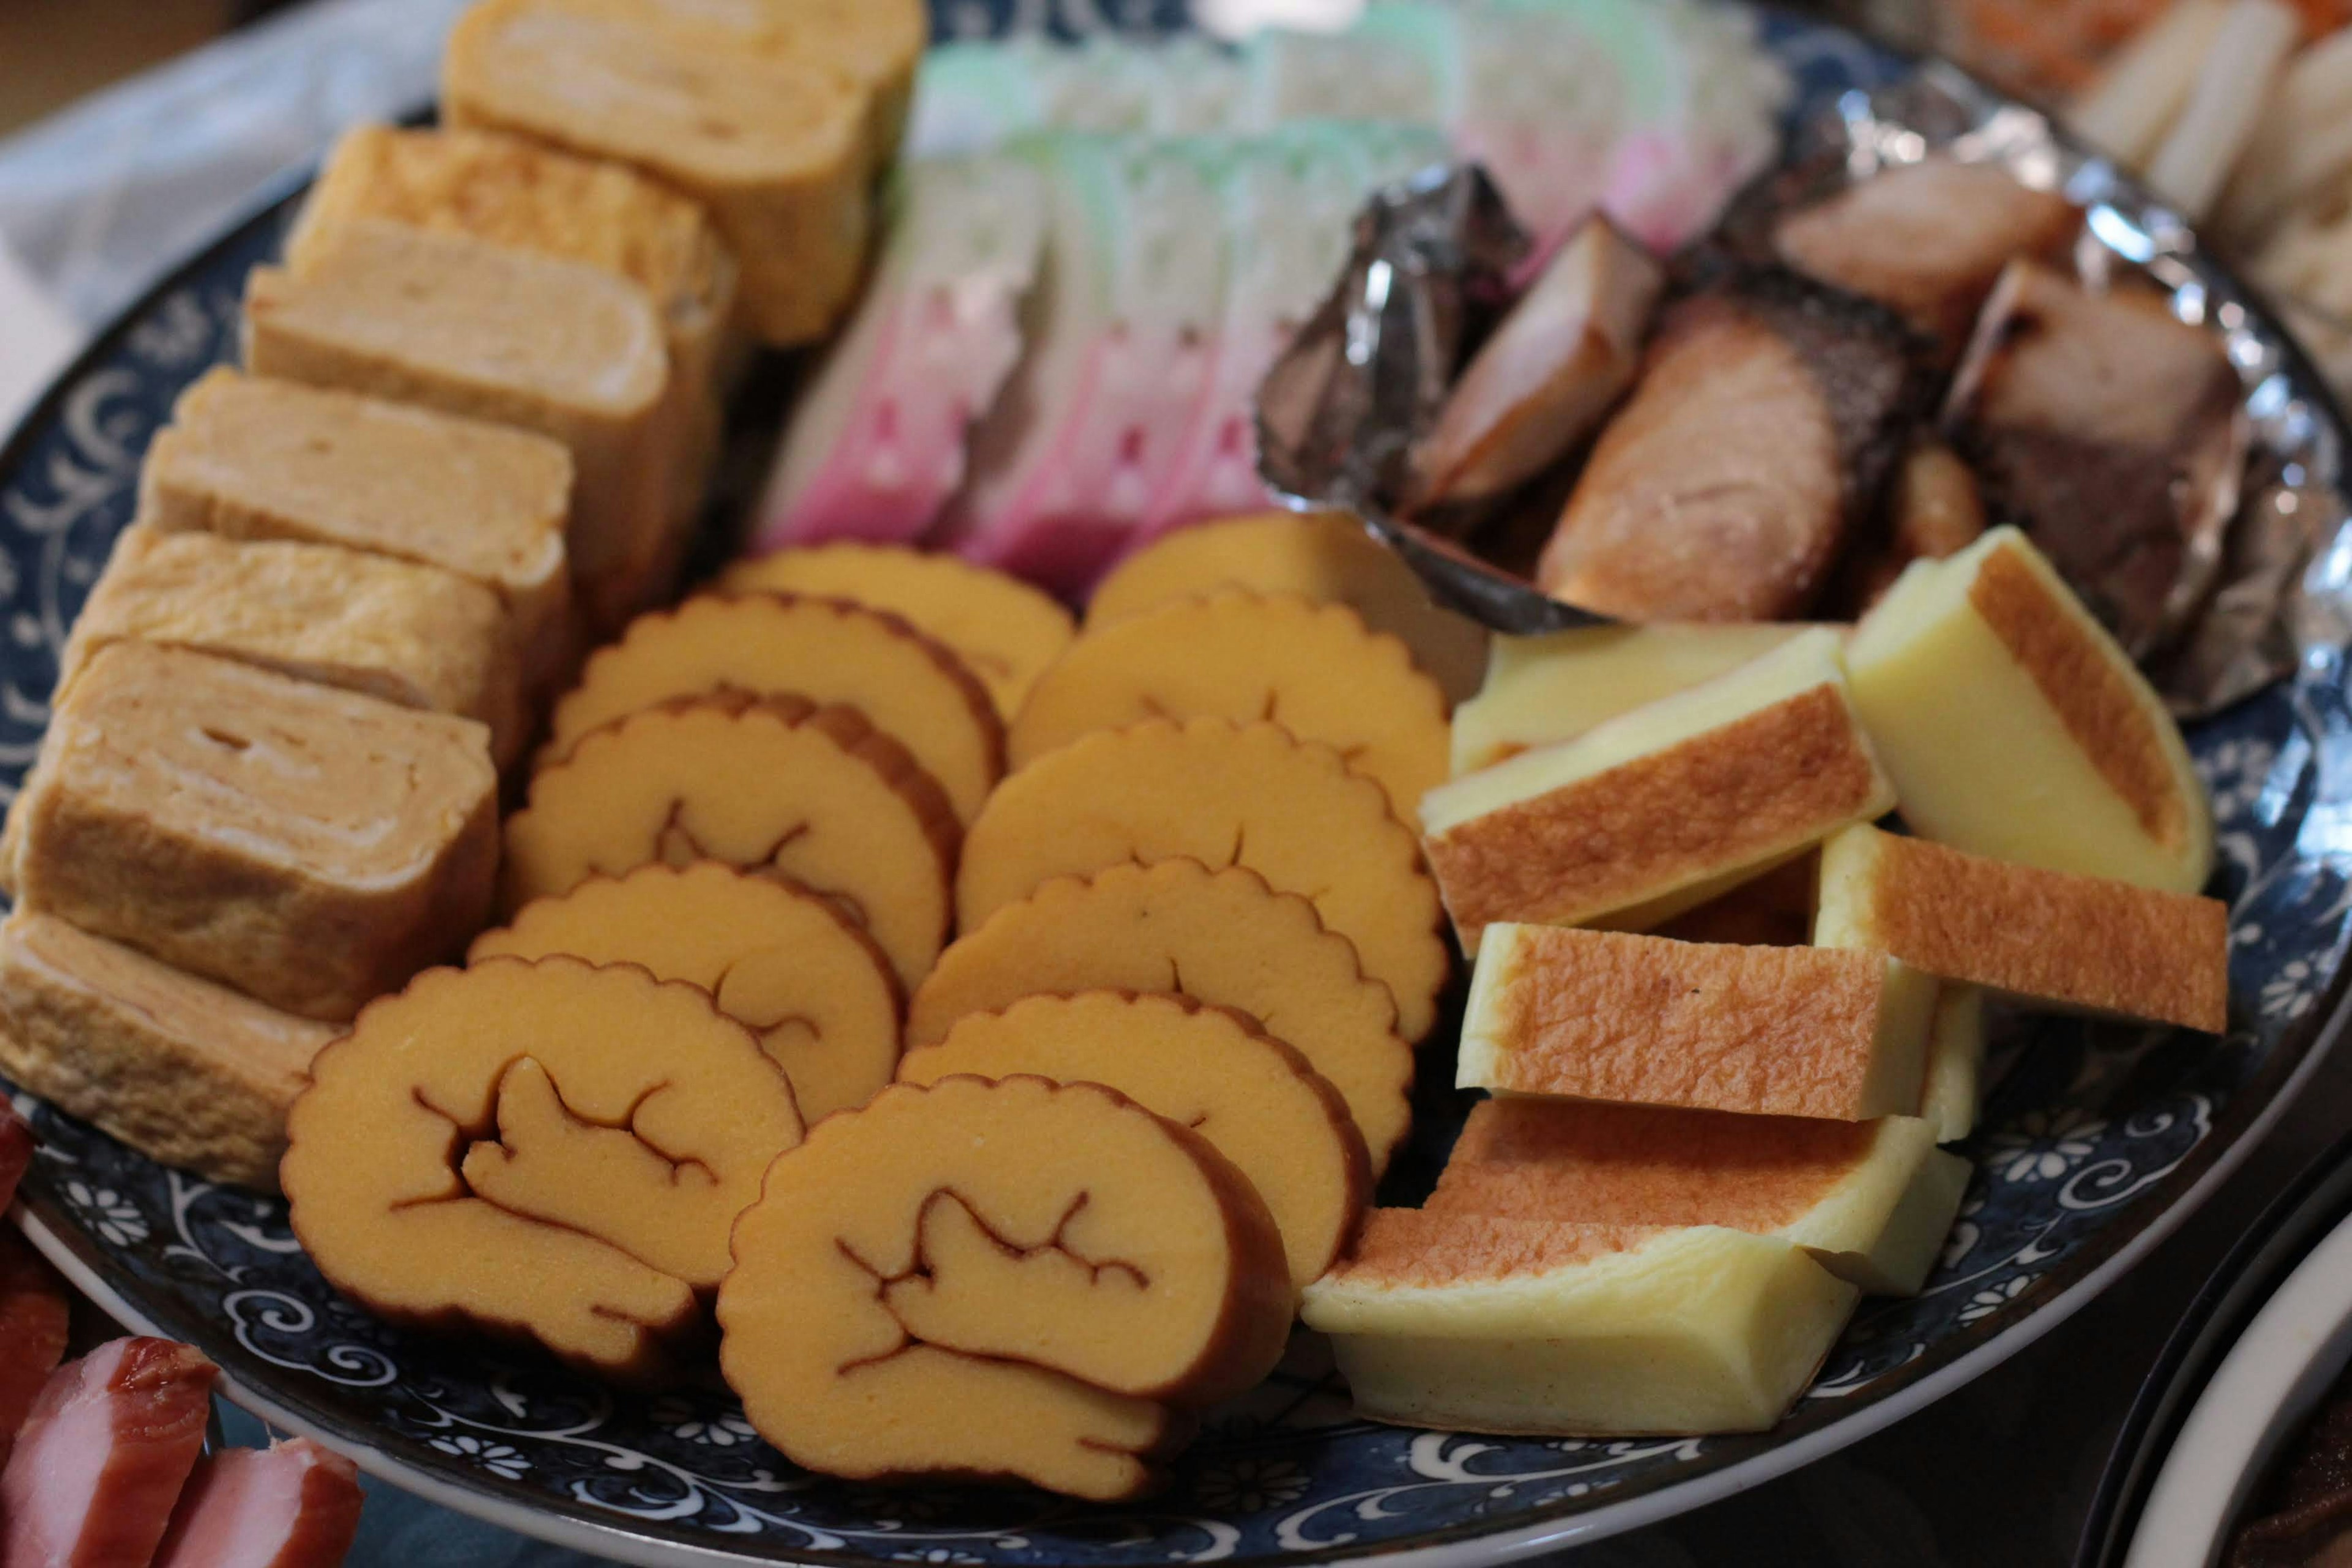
(2098, 1139)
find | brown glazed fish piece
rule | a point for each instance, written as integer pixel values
(1543, 381)
(2113, 434)
(1769, 414)
(1928, 239)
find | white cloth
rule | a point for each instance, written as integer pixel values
(35, 341)
(97, 199)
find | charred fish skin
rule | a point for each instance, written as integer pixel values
(1771, 412)
(2113, 434)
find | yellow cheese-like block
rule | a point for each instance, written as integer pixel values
(1663, 808)
(2013, 726)
(2076, 943)
(1488, 1324)
(1645, 1020)
(1871, 1200)
(1541, 691)
(1954, 1091)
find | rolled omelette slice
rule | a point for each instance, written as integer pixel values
(2012, 725)
(1482, 1324)
(310, 846)
(1315, 669)
(185, 1071)
(1016, 1278)
(480, 329)
(827, 650)
(1323, 556)
(784, 962)
(1208, 1068)
(1003, 630)
(1224, 794)
(1223, 938)
(250, 459)
(780, 150)
(772, 783)
(494, 1146)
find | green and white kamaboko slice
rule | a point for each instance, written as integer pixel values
(1289, 197)
(1065, 469)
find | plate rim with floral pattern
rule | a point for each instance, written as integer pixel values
(141, 1241)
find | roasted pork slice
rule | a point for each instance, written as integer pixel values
(1769, 414)
(15, 1154)
(2113, 434)
(1549, 375)
(102, 1457)
(290, 1505)
(35, 1314)
(1928, 239)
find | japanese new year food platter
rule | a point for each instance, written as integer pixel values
(2096, 1133)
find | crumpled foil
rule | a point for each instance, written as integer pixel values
(1432, 268)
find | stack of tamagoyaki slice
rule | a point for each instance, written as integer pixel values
(1712, 1136)
(521, 322)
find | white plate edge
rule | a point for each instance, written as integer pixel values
(2261, 1389)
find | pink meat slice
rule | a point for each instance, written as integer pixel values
(103, 1456)
(34, 1317)
(292, 1505)
(15, 1154)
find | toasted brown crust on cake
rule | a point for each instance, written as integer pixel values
(1788, 1031)
(1642, 1164)
(1729, 797)
(2091, 696)
(2106, 946)
(1427, 1248)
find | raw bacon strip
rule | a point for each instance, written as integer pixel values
(103, 1456)
(34, 1311)
(877, 446)
(291, 1505)
(15, 1154)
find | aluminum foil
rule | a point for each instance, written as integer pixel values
(1431, 266)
